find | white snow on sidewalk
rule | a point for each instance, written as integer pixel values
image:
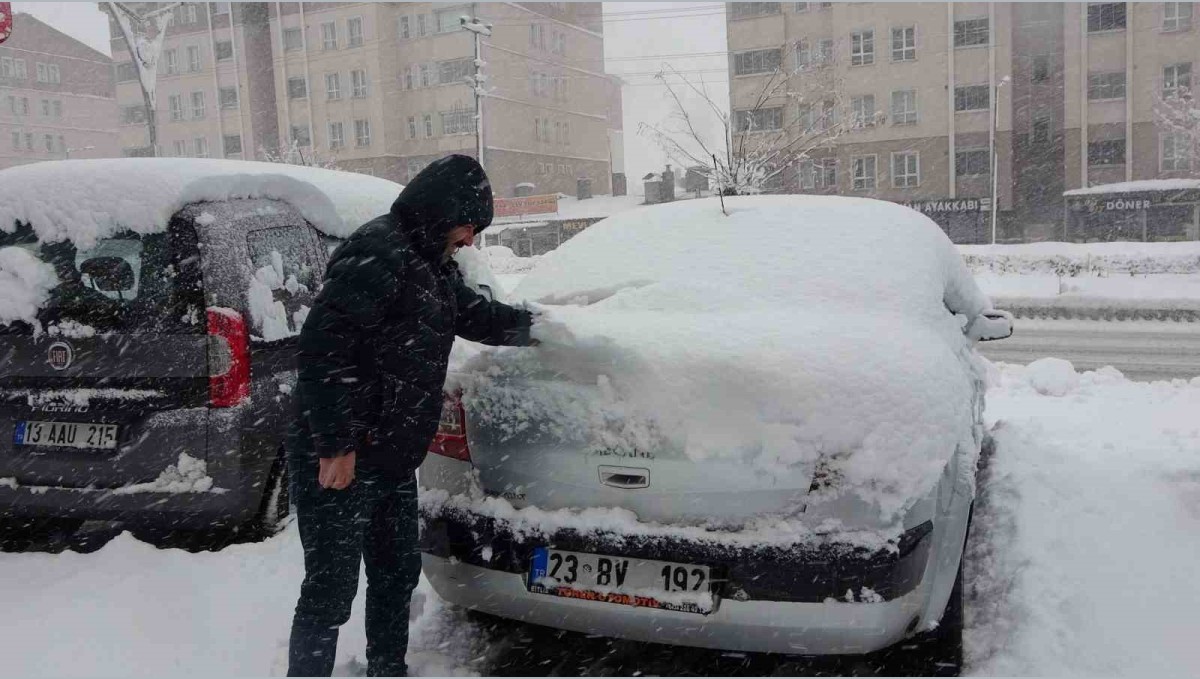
(1084, 550)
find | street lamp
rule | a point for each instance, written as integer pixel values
(996, 156)
(480, 30)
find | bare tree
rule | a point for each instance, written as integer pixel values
(295, 154)
(144, 34)
(794, 113)
(1178, 118)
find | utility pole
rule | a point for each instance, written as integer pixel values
(144, 52)
(995, 155)
(480, 30)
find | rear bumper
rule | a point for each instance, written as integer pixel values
(773, 598)
(189, 510)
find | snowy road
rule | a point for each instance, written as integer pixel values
(1081, 562)
(1142, 350)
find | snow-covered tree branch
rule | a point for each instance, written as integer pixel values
(295, 154)
(1178, 120)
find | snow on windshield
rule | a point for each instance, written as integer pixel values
(26, 281)
(795, 328)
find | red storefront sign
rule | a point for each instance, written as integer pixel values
(6, 20)
(526, 205)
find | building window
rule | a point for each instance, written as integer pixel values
(297, 88)
(55, 75)
(170, 62)
(1176, 154)
(972, 162)
(426, 75)
(862, 48)
(1177, 80)
(1106, 152)
(1105, 16)
(232, 144)
(16, 141)
(126, 72)
(133, 115)
(201, 144)
(1040, 68)
(224, 50)
(354, 31)
(757, 61)
(557, 133)
(535, 33)
(446, 20)
(971, 32)
(906, 170)
(427, 123)
(1106, 86)
(18, 105)
(301, 135)
(362, 133)
(57, 106)
(904, 107)
(333, 87)
(971, 98)
(863, 173)
(405, 28)
(20, 73)
(197, 105)
(458, 121)
(800, 7)
(175, 106)
(181, 148)
(62, 144)
(803, 56)
(337, 136)
(560, 44)
(454, 71)
(818, 174)
(358, 83)
(904, 43)
(746, 10)
(6, 67)
(862, 110)
(1177, 16)
(43, 73)
(329, 36)
(229, 97)
(1041, 129)
(28, 141)
(823, 52)
(760, 120)
(422, 28)
(45, 108)
(412, 127)
(193, 55)
(219, 8)
(292, 40)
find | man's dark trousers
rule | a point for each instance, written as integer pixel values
(374, 520)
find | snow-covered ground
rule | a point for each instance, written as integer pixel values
(1082, 562)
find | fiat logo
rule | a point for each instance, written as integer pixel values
(60, 355)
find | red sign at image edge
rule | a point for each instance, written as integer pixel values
(6, 20)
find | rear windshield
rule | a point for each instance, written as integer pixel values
(130, 283)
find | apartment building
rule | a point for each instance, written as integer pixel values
(382, 88)
(56, 97)
(1077, 87)
(215, 89)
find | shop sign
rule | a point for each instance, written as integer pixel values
(526, 205)
(950, 205)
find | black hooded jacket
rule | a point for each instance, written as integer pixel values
(375, 346)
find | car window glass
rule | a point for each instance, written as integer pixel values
(283, 280)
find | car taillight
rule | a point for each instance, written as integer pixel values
(229, 358)
(451, 438)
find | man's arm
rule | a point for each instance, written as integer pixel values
(494, 323)
(346, 313)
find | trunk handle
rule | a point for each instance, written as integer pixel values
(625, 478)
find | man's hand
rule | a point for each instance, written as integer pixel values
(336, 472)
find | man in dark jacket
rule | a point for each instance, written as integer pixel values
(372, 365)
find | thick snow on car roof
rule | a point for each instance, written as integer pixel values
(796, 328)
(85, 200)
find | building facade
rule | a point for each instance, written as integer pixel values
(215, 94)
(1078, 88)
(56, 97)
(382, 88)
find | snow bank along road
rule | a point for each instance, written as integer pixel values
(1142, 350)
(1081, 562)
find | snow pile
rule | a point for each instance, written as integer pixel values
(26, 282)
(1084, 259)
(1082, 555)
(189, 475)
(87, 200)
(71, 330)
(504, 261)
(82, 398)
(1181, 184)
(1052, 376)
(672, 329)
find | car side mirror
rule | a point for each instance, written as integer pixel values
(108, 274)
(990, 325)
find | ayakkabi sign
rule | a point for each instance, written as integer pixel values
(950, 205)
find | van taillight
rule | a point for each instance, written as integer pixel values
(229, 358)
(451, 438)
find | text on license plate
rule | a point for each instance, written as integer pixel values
(622, 580)
(65, 434)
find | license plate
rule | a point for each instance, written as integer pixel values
(622, 580)
(65, 434)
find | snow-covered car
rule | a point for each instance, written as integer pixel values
(756, 431)
(147, 329)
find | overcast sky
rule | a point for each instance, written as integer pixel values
(639, 38)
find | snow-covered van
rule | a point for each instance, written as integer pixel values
(148, 313)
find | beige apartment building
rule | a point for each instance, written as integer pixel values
(1077, 87)
(215, 90)
(382, 88)
(56, 97)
